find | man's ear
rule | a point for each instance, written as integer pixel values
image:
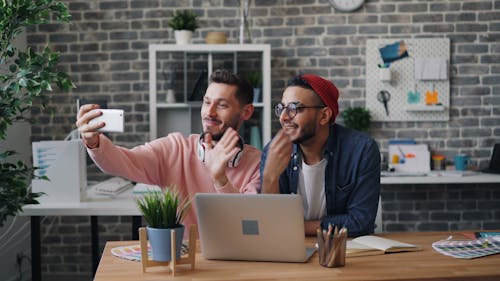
(247, 111)
(326, 116)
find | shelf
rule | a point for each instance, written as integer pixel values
(177, 105)
(204, 48)
(186, 69)
(425, 108)
(193, 104)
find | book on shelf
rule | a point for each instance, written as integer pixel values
(200, 86)
(373, 245)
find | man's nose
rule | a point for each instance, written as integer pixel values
(284, 115)
(212, 109)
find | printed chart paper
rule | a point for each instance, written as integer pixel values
(468, 249)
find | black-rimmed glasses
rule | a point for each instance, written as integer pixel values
(291, 109)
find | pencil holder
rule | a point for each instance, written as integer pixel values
(332, 246)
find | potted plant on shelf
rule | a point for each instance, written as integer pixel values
(184, 24)
(164, 211)
(255, 79)
(27, 78)
(358, 118)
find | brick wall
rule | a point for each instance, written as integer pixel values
(104, 48)
(440, 207)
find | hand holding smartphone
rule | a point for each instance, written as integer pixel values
(112, 118)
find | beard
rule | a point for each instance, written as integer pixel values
(216, 136)
(305, 132)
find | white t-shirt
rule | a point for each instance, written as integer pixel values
(313, 197)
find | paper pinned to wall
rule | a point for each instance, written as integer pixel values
(431, 69)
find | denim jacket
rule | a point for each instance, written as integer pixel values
(352, 179)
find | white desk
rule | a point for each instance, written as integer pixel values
(433, 178)
(94, 206)
(121, 205)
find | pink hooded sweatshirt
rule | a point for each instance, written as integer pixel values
(173, 160)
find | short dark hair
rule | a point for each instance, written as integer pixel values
(244, 92)
(298, 81)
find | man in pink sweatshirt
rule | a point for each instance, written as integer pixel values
(216, 161)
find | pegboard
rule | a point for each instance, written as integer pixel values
(403, 81)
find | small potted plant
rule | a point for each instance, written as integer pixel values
(164, 211)
(184, 24)
(357, 118)
(255, 79)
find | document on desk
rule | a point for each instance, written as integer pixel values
(133, 252)
(468, 249)
(112, 186)
(452, 173)
(64, 164)
(401, 174)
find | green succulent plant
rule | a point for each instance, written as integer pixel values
(358, 118)
(254, 78)
(184, 20)
(163, 209)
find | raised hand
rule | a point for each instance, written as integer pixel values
(217, 155)
(89, 133)
(278, 157)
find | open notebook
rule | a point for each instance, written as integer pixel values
(373, 245)
(252, 227)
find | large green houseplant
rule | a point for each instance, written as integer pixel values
(184, 23)
(26, 79)
(164, 211)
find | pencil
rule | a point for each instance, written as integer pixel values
(328, 241)
(321, 245)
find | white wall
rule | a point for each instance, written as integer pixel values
(15, 235)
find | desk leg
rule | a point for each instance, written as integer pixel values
(94, 226)
(136, 223)
(36, 270)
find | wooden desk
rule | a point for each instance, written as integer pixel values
(423, 265)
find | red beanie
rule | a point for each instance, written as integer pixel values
(325, 90)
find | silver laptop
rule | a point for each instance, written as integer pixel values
(252, 227)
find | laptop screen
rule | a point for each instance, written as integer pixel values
(494, 166)
(252, 227)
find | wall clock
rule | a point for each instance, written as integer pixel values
(346, 5)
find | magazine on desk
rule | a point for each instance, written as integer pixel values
(369, 245)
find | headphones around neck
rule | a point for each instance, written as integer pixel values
(232, 162)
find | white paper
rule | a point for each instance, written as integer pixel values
(431, 69)
(63, 162)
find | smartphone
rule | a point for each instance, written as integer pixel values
(113, 118)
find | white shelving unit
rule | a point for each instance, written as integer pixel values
(184, 115)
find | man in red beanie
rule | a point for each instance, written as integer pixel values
(336, 170)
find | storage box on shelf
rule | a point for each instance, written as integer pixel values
(178, 78)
